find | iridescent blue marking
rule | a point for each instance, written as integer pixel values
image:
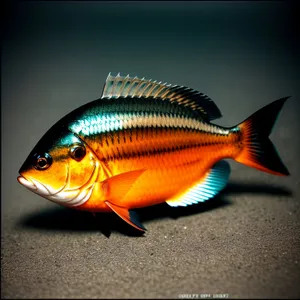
(214, 183)
(97, 121)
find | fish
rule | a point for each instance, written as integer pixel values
(145, 142)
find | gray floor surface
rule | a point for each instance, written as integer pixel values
(244, 243)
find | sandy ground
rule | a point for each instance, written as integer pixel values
(245, 243)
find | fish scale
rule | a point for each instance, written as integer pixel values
(138, 124)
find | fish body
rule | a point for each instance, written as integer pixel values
(144, 143)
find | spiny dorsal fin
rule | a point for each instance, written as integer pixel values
(120, 86)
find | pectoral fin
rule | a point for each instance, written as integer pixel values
(129, 216)
(116, 187)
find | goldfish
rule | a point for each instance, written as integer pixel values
(145, 142)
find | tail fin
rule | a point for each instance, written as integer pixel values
(258, 151)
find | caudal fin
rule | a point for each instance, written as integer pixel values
(258, 151)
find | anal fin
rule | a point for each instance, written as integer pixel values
(127, 215)
(208, 187)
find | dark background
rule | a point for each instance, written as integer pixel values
(244, 243)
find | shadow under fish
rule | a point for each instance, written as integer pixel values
(63, 219)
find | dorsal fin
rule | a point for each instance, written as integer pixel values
(120, 86)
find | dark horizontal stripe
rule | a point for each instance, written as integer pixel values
(153, 152)
(123, 135)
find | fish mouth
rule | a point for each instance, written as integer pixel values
(36, 186)
(27, 183)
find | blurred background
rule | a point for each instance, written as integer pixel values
(56, 57)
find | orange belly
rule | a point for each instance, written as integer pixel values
(167, 172)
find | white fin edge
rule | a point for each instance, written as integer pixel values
(204, 190)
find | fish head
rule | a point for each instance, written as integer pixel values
(61, 168)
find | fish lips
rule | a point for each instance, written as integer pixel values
(35, 186)
(28, 184)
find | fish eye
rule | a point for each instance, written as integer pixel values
(42, 161)
(78, 152)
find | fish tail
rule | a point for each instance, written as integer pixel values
(257, 149)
